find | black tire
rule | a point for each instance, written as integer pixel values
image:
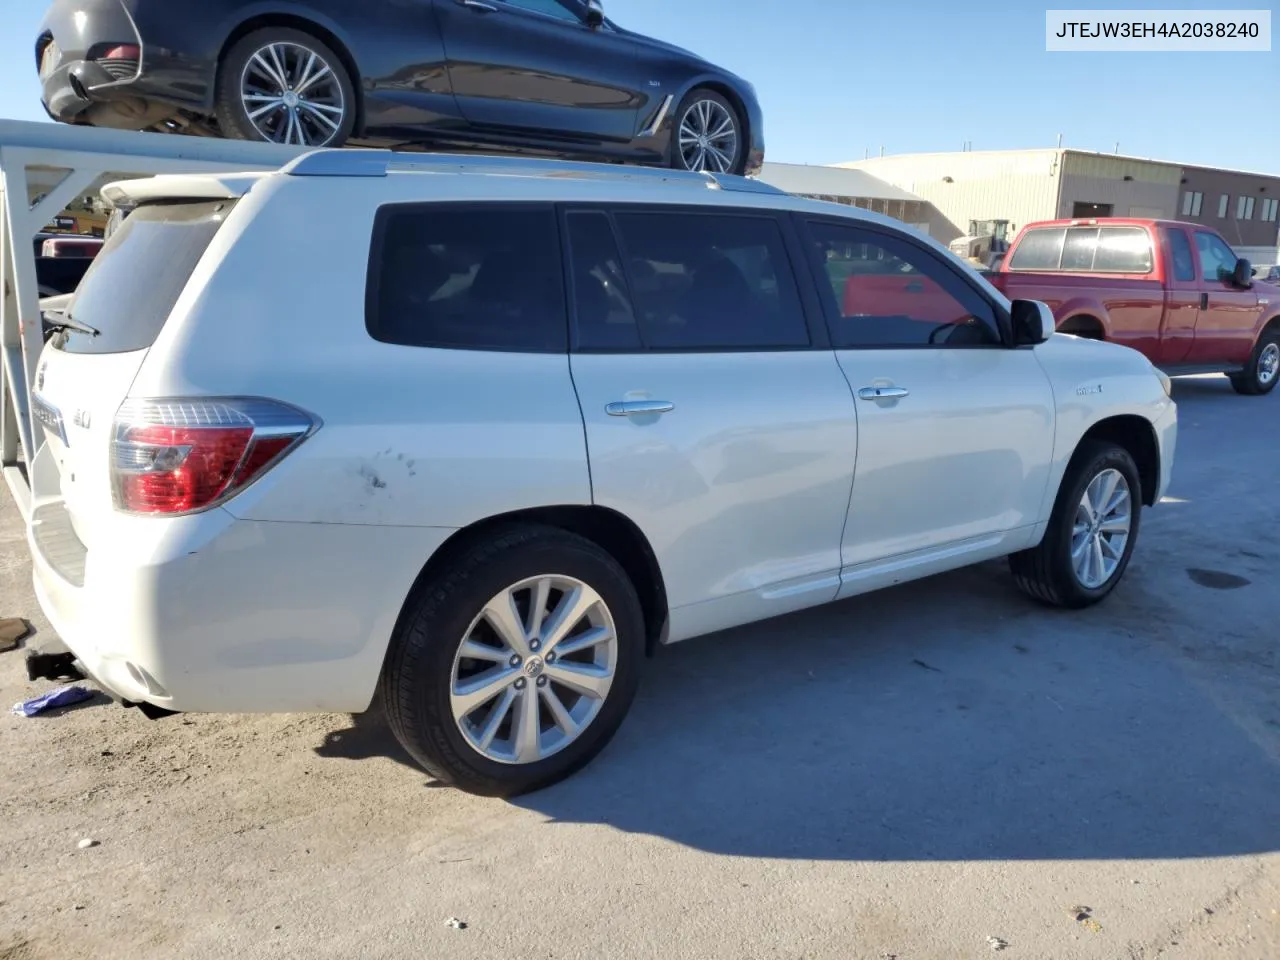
(1259, 377)
(692, 100)
(233, 118)
(417, 677)
(1045, 572)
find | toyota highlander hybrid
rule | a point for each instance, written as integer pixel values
(519, 422)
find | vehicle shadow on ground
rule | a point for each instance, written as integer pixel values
(943, 720)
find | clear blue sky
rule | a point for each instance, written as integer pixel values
(842, 77)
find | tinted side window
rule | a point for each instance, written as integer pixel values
(1184, 266)
(473, 277)
(887, 292)
(604, 318)
(1217, 261)
(711, 281)
(1123, 250)
(551, 8)
(1039, 250)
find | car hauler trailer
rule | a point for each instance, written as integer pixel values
(43, 167)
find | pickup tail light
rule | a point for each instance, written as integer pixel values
(186, 455)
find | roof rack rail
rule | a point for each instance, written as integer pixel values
(348, 162)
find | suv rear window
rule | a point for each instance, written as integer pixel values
(468, 277)
(137, 277)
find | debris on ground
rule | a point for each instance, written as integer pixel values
(1084, 917)
(995, 943)
(13, 630)
(57, 697)
(456, 923)
(86, 843)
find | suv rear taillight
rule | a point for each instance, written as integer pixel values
(180, 456)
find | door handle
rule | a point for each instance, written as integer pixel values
(1204, 301)
(479, 6)
(883, 393)
(635, 408)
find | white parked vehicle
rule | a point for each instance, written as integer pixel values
(470, 436)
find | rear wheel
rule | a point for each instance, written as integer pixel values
(285, 86)
(515, 666)
(1091, 534)
(1263, 369)
(709, 135)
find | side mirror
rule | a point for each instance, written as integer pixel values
(1033, 322)
(1242, 276)
(595, 13)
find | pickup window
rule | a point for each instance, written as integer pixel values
(1084, 250)
(1184, 264)
(1217, 260)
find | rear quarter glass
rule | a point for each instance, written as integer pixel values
(137, 277)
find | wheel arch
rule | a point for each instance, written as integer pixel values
(610, 530)
(322, 31)
(1269, 325)
(1084, 323)
(725, 89)
(1136, 435)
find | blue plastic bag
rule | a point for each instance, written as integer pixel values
(57, 697)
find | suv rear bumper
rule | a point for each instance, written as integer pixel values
(209, 613)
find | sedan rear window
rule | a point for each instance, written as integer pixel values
(134, 282)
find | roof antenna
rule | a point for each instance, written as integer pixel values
(1059, 141)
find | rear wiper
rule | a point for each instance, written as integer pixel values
(58, 321)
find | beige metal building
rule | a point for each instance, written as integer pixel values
(854, 188)
(1026, 185)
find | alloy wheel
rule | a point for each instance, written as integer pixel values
(533, 669)
(1104, 518)
(292, 96)
(1268, 364)
(708, 137)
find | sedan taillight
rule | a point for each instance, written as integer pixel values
(181, 456)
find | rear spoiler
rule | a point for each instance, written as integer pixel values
(229, 186)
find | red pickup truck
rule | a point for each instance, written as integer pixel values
(1174, 291)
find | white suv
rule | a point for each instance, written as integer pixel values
(471, 436)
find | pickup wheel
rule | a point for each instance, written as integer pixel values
(512, 667)
(1091, 534)
(1262, 371)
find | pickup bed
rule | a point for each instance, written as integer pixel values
(1174, 291)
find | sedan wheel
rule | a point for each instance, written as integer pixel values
(291, 95)
(285, 86)
(534, 669)
(708, 136)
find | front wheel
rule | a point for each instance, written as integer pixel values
(1091, 533)
(1263, 369)
(515, 666)
(709, 135)
(285, 86)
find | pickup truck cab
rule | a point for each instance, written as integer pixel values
(1174, 291)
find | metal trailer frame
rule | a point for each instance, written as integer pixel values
(83, 155)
